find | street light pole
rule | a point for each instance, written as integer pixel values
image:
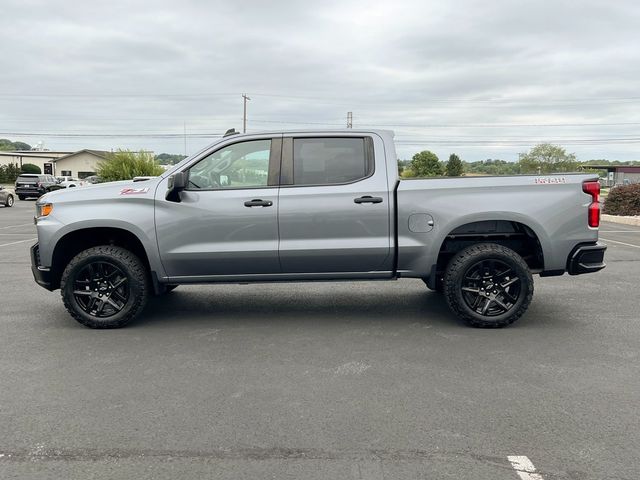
(244, 117)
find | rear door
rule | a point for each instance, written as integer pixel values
(334, 205)
(225, 223)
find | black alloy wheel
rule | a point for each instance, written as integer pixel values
(491, 287)
(100, 289)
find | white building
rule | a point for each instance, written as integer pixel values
(80, 164)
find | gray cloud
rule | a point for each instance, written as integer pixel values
(433, 71)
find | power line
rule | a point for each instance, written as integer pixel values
(424, 102)
(456, 125)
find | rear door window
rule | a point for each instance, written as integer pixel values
(327, 161)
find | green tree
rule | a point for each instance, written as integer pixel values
(426, 164)
(169, 158)
(8, 145)
(30, 168)
(9, 173)
(454, 167)
(547, 158)
(125, 164)
(21, 146)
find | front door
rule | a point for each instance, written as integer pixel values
(333, 206)
(226, 221)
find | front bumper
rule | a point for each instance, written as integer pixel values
(586, 258)
(41, 275)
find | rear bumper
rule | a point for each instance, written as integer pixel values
(29, 192)
(586, 258)
(41, 275)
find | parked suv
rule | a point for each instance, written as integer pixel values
(34, 185)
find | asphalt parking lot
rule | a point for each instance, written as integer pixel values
(333, 380)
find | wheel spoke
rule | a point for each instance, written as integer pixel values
(114, 304)
(82, 293)
(501, 304)
(471, 289)
(119, 282)
(476, 302)
(509, 297)
(90, 305)
(511, 281)
(121, 298)
(100, 307)
(486, 305)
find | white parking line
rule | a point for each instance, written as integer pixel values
(621, 243)
(14, 226)
(523, 466)
(619, 231)
(19, 241)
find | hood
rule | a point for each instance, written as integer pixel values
(125, 188)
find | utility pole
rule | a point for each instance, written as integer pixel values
(244, 117)
(349, 119)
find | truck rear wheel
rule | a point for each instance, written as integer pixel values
(104, 287)
(488, 285)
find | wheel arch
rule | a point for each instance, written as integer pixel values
(73, 242)
(521, 234)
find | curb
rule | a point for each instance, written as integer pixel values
(626, 220)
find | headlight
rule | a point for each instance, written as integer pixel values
(43, 209)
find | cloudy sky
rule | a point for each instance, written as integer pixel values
(484, 79)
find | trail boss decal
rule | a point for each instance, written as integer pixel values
(550, 180)
(134, 191)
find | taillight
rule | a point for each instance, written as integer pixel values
(592, 187)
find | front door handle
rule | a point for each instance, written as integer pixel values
(368, 199)
(256, 202)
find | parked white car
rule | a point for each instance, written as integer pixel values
(69, 182)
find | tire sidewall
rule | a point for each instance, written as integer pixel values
(135, 290)
(521, 270)
(9, 202)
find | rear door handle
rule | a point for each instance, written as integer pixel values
(368, 199)
(256, 202)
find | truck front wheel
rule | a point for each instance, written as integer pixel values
(104, 287)
(488, 285)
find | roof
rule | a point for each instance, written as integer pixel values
(57, 152)
(28, 153)
(97, 153)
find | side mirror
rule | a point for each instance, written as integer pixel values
(177, 183)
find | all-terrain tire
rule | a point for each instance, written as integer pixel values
(137, 282)
(466, 264)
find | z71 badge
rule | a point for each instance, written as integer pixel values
(134, 191)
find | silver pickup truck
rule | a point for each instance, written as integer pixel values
(311, 206)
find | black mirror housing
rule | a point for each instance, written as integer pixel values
(177, 182)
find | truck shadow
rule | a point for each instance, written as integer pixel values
(279, 304)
